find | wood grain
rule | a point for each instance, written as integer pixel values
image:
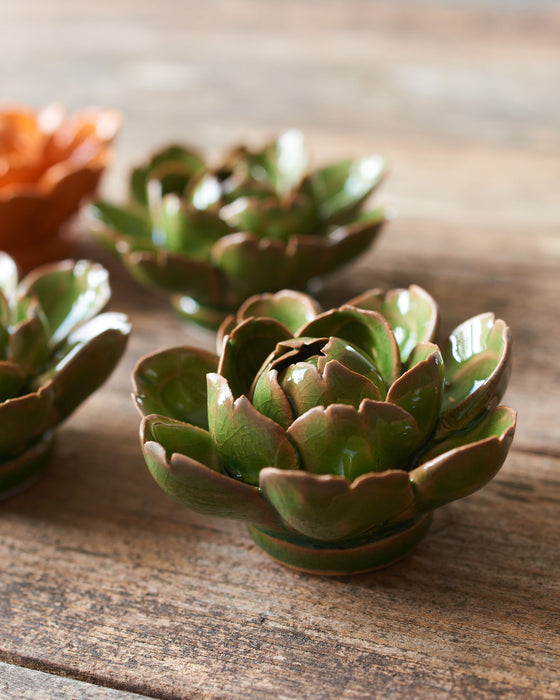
(26, 684)
(105, 583)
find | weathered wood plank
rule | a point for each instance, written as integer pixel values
(28, 684)
(103, 578)
(452, 75)
(106, 577)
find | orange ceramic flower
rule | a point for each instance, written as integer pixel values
(49, 161)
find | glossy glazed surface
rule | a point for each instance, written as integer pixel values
(55, 350)
(329, 426)
(49, 162)
(259, 221)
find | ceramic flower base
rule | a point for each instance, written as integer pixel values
(20, 472)
(340, 558)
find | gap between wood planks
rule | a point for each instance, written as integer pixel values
(60, 671)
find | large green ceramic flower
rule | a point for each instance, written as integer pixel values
(54, 352)
(259, 222)
(335, 434)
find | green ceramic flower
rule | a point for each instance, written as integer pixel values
(261, 221)
(54, 352)
(333, 434)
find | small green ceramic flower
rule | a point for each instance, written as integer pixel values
(261, 221)
(333, 434)
(54, 352)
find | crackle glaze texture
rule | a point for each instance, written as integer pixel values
(335, 433)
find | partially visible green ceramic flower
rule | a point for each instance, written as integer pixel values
(55, 350)
(259, 222)
(333, 434)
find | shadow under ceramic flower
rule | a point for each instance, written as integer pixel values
(333, 434)
(55, 350)
(211, 237)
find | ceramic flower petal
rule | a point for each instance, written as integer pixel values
(343, 441)
(28, 343)
(249, 263)
(176, 274)
(346, 242)
(269, 398)
(173, 383)
(174, 166)
(348, 387)
(182, 438)
(420, 389)
(286, 160)
(18, 472)
(246, 440)
(305, 386)
(51, 162)
(477, 361)
(8, 276)
(367, 330)
(84, 362)
(269, 217)
(23, 420)
(291, 309)
(245, 350)
(68, 294)
(412, 314)
(12, 380)
(200, 486)
(330, 508)
(461, 465)
(341, 187)
(350, 357)
(182, 231)
(133, 223)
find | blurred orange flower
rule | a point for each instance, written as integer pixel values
(49, 161)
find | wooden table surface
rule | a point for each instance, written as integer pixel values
(108, 588)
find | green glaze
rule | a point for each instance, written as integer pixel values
(174, 167)
(57, 350)
(419, 390)
(68, 294)
(173, 383)
(410, 312)
(190, 310)
(292, 309)
(334, 440)
(17, 473)
(246, 348)
(246, 440)
(367, 330)
(477, 361)
(330, 508)
(259, 222)
(340, 559)
(342, 440)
